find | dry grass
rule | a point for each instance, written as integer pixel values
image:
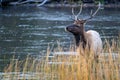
(67, 67)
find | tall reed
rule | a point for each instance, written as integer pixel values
(71, 67)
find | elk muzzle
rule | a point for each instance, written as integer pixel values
(73, 29)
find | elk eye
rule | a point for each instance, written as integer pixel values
(76, 26)
(81, 22)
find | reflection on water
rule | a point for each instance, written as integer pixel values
(29, 30)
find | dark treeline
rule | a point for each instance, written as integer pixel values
(6, 2)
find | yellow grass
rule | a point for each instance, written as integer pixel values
(67, 67)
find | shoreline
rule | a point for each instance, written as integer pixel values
(84, 5)
(62, 5)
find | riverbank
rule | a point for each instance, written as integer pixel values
(54, 4)
(84, 5)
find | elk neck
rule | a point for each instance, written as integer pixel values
(81, 38)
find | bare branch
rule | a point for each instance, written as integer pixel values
(44, 1)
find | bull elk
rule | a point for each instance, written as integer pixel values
(90, 38)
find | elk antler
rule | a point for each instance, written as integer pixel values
(93, 14)
(76, 16)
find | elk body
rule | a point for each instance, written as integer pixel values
(90, 39)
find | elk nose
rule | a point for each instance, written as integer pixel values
(69, 28)
(66, 29)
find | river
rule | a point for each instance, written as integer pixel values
(29, 30)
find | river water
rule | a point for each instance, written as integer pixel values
(29, 30)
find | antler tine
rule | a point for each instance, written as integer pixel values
(97, 9)
(76, 16)
(80, 11)
(73, 13)
(92, 15)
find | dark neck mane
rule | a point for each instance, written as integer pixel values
(77, 40)
(80, 39)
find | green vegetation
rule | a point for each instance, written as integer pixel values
(75, 67)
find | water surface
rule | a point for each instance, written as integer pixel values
(29, 29)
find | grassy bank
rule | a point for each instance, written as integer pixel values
(72, 67)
